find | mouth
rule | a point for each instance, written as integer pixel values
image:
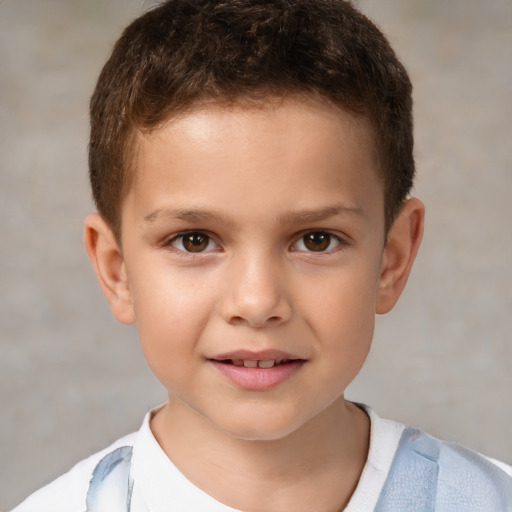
(261, 359)
(257, 363)
(257, 371)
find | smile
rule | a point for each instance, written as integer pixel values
(257, 371)
(254, 363)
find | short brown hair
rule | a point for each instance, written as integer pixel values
(186, 51)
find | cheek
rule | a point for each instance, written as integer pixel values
(171, 313)
(343, 301)
(342, 314)
(164, 297)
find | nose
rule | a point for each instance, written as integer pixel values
(256, 293)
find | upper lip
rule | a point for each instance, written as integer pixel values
(249, 355)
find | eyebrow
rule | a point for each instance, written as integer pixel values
(316, 215)
(198, 215)
(189, 215)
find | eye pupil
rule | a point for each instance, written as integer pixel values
(195, 242)
(317, 241)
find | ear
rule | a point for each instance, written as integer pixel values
(402, 245)
(107, 259)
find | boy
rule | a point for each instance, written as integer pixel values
(251, 164)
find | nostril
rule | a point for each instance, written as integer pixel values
(255, 322)
(236, 320)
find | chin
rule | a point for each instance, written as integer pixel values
(260, 427)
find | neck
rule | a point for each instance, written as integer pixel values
(316, 467)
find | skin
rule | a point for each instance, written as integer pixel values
(254, 182)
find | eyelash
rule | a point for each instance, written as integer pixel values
(330, 238)
(181, 237)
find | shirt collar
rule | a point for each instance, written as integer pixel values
(160, 483)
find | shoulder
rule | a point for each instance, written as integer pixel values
(467, 476)
(68, 492)
(446, 475)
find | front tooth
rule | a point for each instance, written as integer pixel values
(250, 364)
(238, 362)
(266, 364)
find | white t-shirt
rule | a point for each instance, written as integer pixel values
(158, 486)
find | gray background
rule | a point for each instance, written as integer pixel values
(72, 380)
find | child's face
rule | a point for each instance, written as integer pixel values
(255, 235)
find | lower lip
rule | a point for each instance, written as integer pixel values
(258, 379)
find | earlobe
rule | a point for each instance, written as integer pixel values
(402, 245)
(108, 263)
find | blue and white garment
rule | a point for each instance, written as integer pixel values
(406, 470)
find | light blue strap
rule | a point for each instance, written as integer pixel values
(467, 478)
(412, 481)
(428, 475)
(111, 487)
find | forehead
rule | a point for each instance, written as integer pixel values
(288, 154)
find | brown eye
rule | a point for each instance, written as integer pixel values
(317, 241)
(194, 241)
